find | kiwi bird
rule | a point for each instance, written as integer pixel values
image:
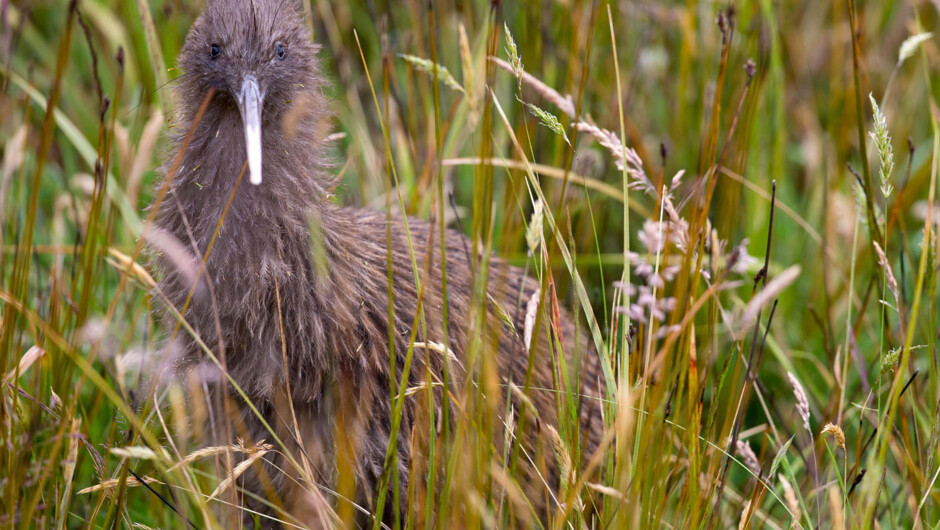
(292, 289)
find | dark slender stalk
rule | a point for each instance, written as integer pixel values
(162, 499)
(874, 230)
(752, 366)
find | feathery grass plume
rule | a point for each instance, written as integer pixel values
(889, 361)
(743, 448)
(502, 314)
(564, 103)
(509, 424)
(466, 58)
(605, 490)
(176, 252)
(745, 515)
(739, 260)
(147, 453)
(533, 232)
(769, 292)
(469, 79)
(429, 67)
(883, 144)
(531, 311)
(889, 275)
(910, 45)
(789, 496)
(14, 154)
(836, 432)
(28, 359)
(513, 494)
(622, 157)
(55, 402)
(182, 413)
(136, 156)
(609, 140)
(141, 452)
(524, 400)
(108, 485)
(565, 469)
(439, 348)
(513, 52)
(121, 261)
(645, 302)
(68, 471)
(255, 452)
(802, 404)
(548, 120)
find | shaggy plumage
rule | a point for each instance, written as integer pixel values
(285, 239)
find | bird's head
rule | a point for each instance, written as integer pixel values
(256, 55)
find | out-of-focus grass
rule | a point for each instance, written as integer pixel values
(74, 347)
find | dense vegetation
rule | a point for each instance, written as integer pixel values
(737, 199)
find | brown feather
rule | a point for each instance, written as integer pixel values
(332, 280)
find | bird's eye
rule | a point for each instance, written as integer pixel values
(280, 50)
(214, 51)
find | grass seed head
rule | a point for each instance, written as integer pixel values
(883, 145)
(549, 120)
(430, 68)
(802, 404)
(513, 52)
(789, 496)
(889, 275)
(836, 432)
(743, 448)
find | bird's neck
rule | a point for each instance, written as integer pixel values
(216, 154)
(211, 183)
(261, 244)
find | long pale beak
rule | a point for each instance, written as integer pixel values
(250, 102)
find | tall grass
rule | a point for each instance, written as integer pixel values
(695, 181)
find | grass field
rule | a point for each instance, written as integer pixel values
(738, 200)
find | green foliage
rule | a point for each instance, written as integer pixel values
(82, 135)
